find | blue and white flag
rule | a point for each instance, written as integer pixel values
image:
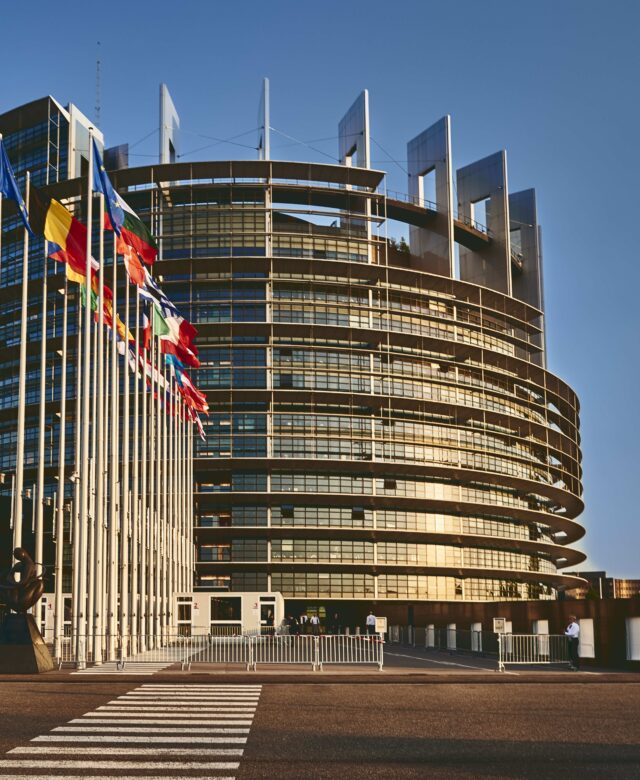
(9, 187)
(102, 183)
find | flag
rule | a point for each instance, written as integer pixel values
(9, 186)
(102, 183)
(150, 290)
(158, 326)
(135, 269)
(181, 327)
(198, 422)
(121, 218)
(67, 236)
(184, 354)
(136, 234)
(146, 331)
(192, 396)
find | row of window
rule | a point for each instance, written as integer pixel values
(416, 487)
(362, 517)
(388, 586)
(363, 552)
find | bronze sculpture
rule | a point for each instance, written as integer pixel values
(21, 596)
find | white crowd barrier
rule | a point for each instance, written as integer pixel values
(532, 649)
(249, 650)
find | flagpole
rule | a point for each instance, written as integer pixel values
(190, 512)
(91, 510)
(153, 495)
(86, 391)
(135, 600)
(144, 609)
(59, 596)
(113, 472)
(176, 511)
(106, 470)
(159, 477)
(167, 503)
(158, 497)
(19, 488)
(39, 529)
(124, 507)
(98, 624)
(166, 558)
(76, 473)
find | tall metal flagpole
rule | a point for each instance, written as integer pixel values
(135, 533)
(171, 502)
(106, 449)
(153, 600)
(98, 620)
(124, 506)
(39, 529)
(166, 529)
(113, 473)
(59, 596)
(75, 534)
(158, 501)
(176, 491)
(91, 511)
(190, 511)
(84, 459)
(19, 484)
(144, 609)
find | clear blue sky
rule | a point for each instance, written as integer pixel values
(555, 82)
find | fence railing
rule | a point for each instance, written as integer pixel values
(532, 649)
(506, 648)
(451, 639)
(249, 650)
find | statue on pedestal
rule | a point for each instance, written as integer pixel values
(22, 595)
(22, 648)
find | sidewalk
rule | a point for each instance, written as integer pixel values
(445, 672)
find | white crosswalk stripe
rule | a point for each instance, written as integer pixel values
(186, 738)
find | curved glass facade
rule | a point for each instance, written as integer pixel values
(376, 431)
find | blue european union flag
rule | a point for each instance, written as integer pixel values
(102, 183)
(9, 187)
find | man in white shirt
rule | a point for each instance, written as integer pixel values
(572, 633)
(315, 625)
(371, 623)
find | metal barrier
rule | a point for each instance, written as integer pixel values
(348, 650)
(294, 649)
(532, 649)
(248, 650)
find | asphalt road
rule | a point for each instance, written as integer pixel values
(315, 730)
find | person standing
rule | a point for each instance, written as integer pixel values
(304, 619)
(371, 623)
(572, 632)
(315, 625)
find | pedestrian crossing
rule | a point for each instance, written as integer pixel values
(157, 732)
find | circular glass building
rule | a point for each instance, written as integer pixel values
(382, 425)
(377, 431)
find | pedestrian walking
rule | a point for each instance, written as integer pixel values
(304, 621)
(572, 633)
(371, 623)
(315, 625)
